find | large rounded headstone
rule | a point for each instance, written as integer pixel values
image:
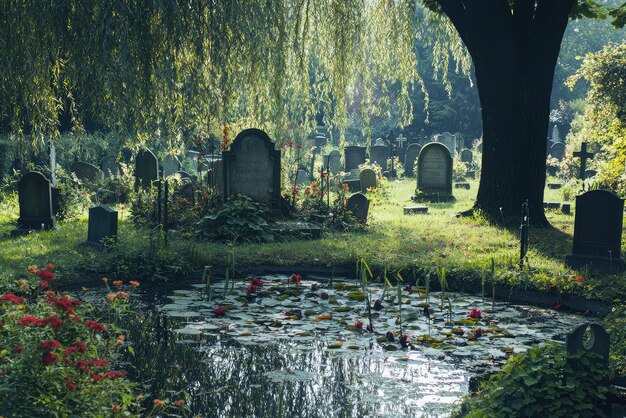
(412, 152)
(434, 170)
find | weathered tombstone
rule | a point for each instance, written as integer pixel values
(379, 154)
(380, 141)
(170, 165)
(368, 179)
(87, 172)
(215, 175)
(467, 156)
(320, 140)
(146, 169)
(599, 343)
(598, 232)
(412, 153)
(415, 209)
(359, 205)
(102, 224)
(434, 172)
(557, 150)
(449, 141)
(252, 168)
(35, 199)
(334, 161)
(301, 178)
(355, 156)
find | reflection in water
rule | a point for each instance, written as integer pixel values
(225, 378)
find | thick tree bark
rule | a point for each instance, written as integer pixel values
(514, 52)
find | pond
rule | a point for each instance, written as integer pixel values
(282, 349)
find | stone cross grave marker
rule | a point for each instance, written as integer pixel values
(359, 205)
(170, 165)
(379, 154)
(355, 156)
(35, 200)
(584, 155)
(467, 156)
(333, 161)
(412, 153)
(434, 170)
(102, 224)
(598, 232)
(400, 140)
(555, 135)
(87, 172)
(557, 150)
(368, 179)
(146, 169)
(252, 168)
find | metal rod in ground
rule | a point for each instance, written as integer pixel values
(165, 211)
(159, 201)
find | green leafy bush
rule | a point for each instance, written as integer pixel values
(544, 381)
(239, 219)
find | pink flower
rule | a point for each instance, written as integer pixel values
(358, 324)
(257, 282)
(579, 278)
(475, 313)
(251, 289)
(220, 310)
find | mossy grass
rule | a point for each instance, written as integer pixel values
(413, 244)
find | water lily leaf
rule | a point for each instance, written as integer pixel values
(335, 345)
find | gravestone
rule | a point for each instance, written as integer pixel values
(449, 141)
(252, 168)
(215, 175)
(467, 156)
(555, 135)
(379, 154)
(87, 172)
(434, 172)
(146, 169)
(557, 150)
(102, 224)
(598, 232)
(334, 161)
(301, 178)
(415, 209)
(368, 179)
(359, 205)
(354, 185)
(381, 142)
(412, 153)
(35, 199)
(355, 156)
(584, 155)
(320, 140)
(599, 343)
(170, 165)
(462, 185)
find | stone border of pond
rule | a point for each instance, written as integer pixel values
(503, 293)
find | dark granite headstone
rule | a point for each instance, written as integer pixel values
(412, 152)
(557, 150)
(434, 171)
(379, 154)
(87, 172)
(35, 199)
(467, 156)
(598, 232)
(599, 342)
(252, 168)
(146, 169)
(359, 205)
(102, 224)
(368, 179)
(354, 157)
(415, 209)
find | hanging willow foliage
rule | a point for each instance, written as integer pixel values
(178, 69)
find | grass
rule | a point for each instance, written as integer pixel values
(414, 244)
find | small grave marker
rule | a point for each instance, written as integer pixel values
(355, 156)
(102, 224)
(35, 200)
(146, 169)
(359, 205)
(368, 179)
(87, 172)
(599, 342)
(434, 172)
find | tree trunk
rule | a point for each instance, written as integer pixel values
(514, 52)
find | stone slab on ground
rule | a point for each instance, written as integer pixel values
(462, 186)
(411, 210)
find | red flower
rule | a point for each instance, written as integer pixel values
(291, 144)
(71, 385)
(579, 278)
(28, 320)
(295, 278)
(115, 375)
(95, 326)
(220, 310)
(257, 282)
(50, 267)
(358, 324)
(556, 306)
(49, 345)
(475, 313)
(313, 287)
(45, 274)
(48, 358)
(11, 298)
(44, 284)
(95, 377)
(80, 345)
(64, 303)
(251, 289)
(323, 175)
(51, 321)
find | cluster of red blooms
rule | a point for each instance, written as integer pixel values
(257, 282)
(53, 322)
(220, 310)
(95, 326)
(11, 298)
(358, 324)
(46, 275)
(48, 357)
(64, 303)
(251, 289)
